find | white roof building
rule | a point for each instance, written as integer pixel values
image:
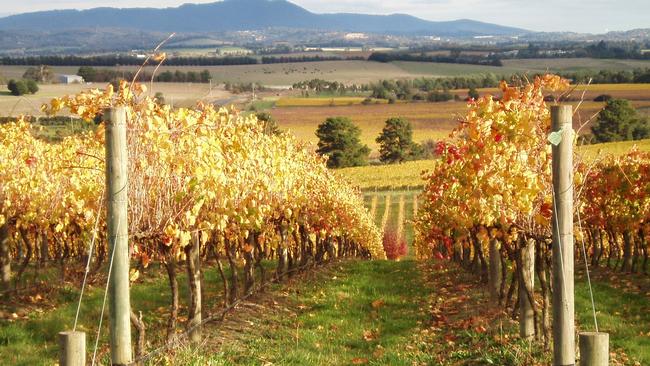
(69, 79)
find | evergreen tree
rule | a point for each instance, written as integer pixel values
(619, 121)
(396, 142)
(338, 139)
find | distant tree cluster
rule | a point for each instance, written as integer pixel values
(22, 87)
(636, 76)
(320, 86)
(125, 60)
(306, 58)
(91, 74)
(622, 50)
(454, 58)
(128, 60)
(339, 140)
(619, 121)
(40, 74)
(237, 88)
(411, 90)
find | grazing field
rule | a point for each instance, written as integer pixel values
(349, 72)
(363, 72)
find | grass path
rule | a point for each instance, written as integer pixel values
(355, 312)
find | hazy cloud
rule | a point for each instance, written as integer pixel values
(549, 15)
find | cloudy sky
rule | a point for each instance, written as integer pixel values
(596, 16)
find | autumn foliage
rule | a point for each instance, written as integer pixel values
(394, 244)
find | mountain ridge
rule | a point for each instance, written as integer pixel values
(240, 15)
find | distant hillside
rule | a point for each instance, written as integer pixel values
(232, 15)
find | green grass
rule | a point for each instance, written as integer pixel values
(338, 323)
(624, 315)
(33, 342)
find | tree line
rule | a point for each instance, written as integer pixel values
(621, 50)
(437, 89)
(454, 58)
(91, 74)
(127, 60)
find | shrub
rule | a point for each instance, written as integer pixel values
(31, 85)
(394, 246)
(17, 88)
(437, 96)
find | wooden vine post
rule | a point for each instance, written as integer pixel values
(72, 348)
(118, 235)
(563, 284)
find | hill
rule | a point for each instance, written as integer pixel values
(233, 15)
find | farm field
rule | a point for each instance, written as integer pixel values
(394, 176)
(429, 120)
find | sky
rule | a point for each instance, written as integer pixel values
(593, 16)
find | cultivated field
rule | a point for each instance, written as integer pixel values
(429, 120)
(407, 175)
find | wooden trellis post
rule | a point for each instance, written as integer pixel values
(563, 278)
(118, 235)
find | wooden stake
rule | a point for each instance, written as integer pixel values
(118, 235)
(494, 279)
(5, 258)
(526, 285)
(72, 349)
(594, 349)
(193, 255)
(563, 278)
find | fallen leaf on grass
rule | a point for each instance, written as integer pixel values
(359, 361)
(377, 303)
(369, 335)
